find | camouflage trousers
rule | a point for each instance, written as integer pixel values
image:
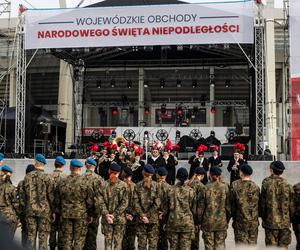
(24, 232)
(278, 237)
(113, 235)
(180, 241)
(297, 234)
(214, 240)
(147, 235)
(74, 233)
(245, 234)
(56, 235)
(91, 236)
(38, 226)
(162, 238)
(195, 242)
(128, 242)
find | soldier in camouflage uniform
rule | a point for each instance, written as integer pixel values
(216, 213)
(97, 184)
(147, 205)
(75, 200)
(130, 232)
(56, 235)
(181, 205)
(296, 218)
(164, 187)
(9, 205)
(22, 217)
(115, 203)
(196, 184)
(38, 201)
(245, 207)
(277, 207)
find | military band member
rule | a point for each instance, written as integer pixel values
(245, 195)
(171, 163)
(147, 205)
(217, 212)
(103, 164)
(181, 211)
(215, 160)
(137, 169)
(234, 166)
(115, 203)
(56, 235)
(198, 160)
(277, 207)
(156, 159)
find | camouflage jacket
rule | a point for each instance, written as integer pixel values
(57, 175)
(217, 207)
(115, 201)
(20, 196)
(296, 218)
(130, 208)
(38, 197)
(200, 190)
(9, 205)
(277, 203)
(98, 185)
(147, 202)
(75, 199)
(163, 189)
(245, 197)
(181, 208)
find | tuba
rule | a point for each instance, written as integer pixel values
(120, 141)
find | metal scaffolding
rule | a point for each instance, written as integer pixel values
(20, 87)
(259, 82)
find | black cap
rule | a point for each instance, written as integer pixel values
(128, 171)
(200, 171)
(162, 171)
(216, 171)
(115, 167)
(149, 169)
(182, 174)
(30, 168)
(246, 169)
(277, 165)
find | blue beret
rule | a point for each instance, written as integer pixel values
(182, 174)
(246, 169)
(278, 165)
(216, 171)
(115, 167)
(41, 158)
(60, 160)
(128, 171)
(6, 168)
(76, 163)
(200, 171)
(91, 161)
(162, 171)
(149, 169)
(30, 168)
(1, 156)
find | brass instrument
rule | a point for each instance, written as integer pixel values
(120, 141)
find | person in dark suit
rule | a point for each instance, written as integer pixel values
(198, 160)
(171, 162)
(234, 166)
(155, 158)
(215, 160)
(137, 169)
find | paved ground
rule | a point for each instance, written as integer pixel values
(229, 241)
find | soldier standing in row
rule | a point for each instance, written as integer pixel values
(130, 232)
(97, 185)
(115, 202)
(22, 214)
(245, 207)
(9, 206)
(181, 210)
(196, 184)
(296, 219)
(147, 205)
(39, 204)
(164, 188)
(217, 212)
(74, 203)
(56, 234)
(277, 207)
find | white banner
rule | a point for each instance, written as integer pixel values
(140, 25)
(295, 37)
